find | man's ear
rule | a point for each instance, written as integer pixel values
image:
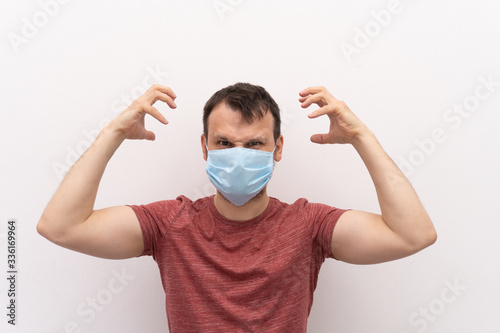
(279, 149)
(204, 145)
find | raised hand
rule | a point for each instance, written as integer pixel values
(130, 123)
(344, 125)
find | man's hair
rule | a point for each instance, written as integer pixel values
(250, 100)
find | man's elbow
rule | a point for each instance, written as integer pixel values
(45, 229)
(431, 238)
(41, 227)
(426, 238)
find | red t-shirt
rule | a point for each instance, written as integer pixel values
(221, 275)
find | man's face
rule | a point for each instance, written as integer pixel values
(227, 129)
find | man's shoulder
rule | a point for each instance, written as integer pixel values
(286, 209)
(175, 206)
(182, 200)
(297, 204)
(304, 207)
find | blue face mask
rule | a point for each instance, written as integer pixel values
(239, 174)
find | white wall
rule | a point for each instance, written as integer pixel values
(61, 80)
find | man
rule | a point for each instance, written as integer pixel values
(239, 261)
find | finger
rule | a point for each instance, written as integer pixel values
(164, 89)
(151, 110)
(311, 90)
(321, 138)
(327, 109)
(149, 135)
(164, 98)
(316, 98)
(159, 92)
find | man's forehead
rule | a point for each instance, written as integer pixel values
(224, 121)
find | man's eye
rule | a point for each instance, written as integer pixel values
(254, 144)
(224, 143)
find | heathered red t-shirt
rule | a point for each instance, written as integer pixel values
(221, 275)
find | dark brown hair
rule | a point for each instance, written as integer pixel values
(250, 100)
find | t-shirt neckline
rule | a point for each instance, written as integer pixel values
(244, 223)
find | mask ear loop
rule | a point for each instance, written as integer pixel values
(274, 150)
(206, 145)
(208, 151)
(275, 145)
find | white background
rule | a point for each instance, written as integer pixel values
(61, 81)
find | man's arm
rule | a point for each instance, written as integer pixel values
(70, 220)
(404, 227)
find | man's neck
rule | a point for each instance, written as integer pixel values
(248, 211)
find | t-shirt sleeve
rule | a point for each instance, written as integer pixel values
(154, 219)
(322, 220)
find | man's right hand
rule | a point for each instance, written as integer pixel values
(130, 123)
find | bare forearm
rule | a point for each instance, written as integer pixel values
(400, 206)
(74, 201)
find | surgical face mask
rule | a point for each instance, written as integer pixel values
(239, 174)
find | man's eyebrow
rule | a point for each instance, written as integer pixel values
(255, 138)
(258, 138)
(220, 137)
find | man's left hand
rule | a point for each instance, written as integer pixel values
(344, 125)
